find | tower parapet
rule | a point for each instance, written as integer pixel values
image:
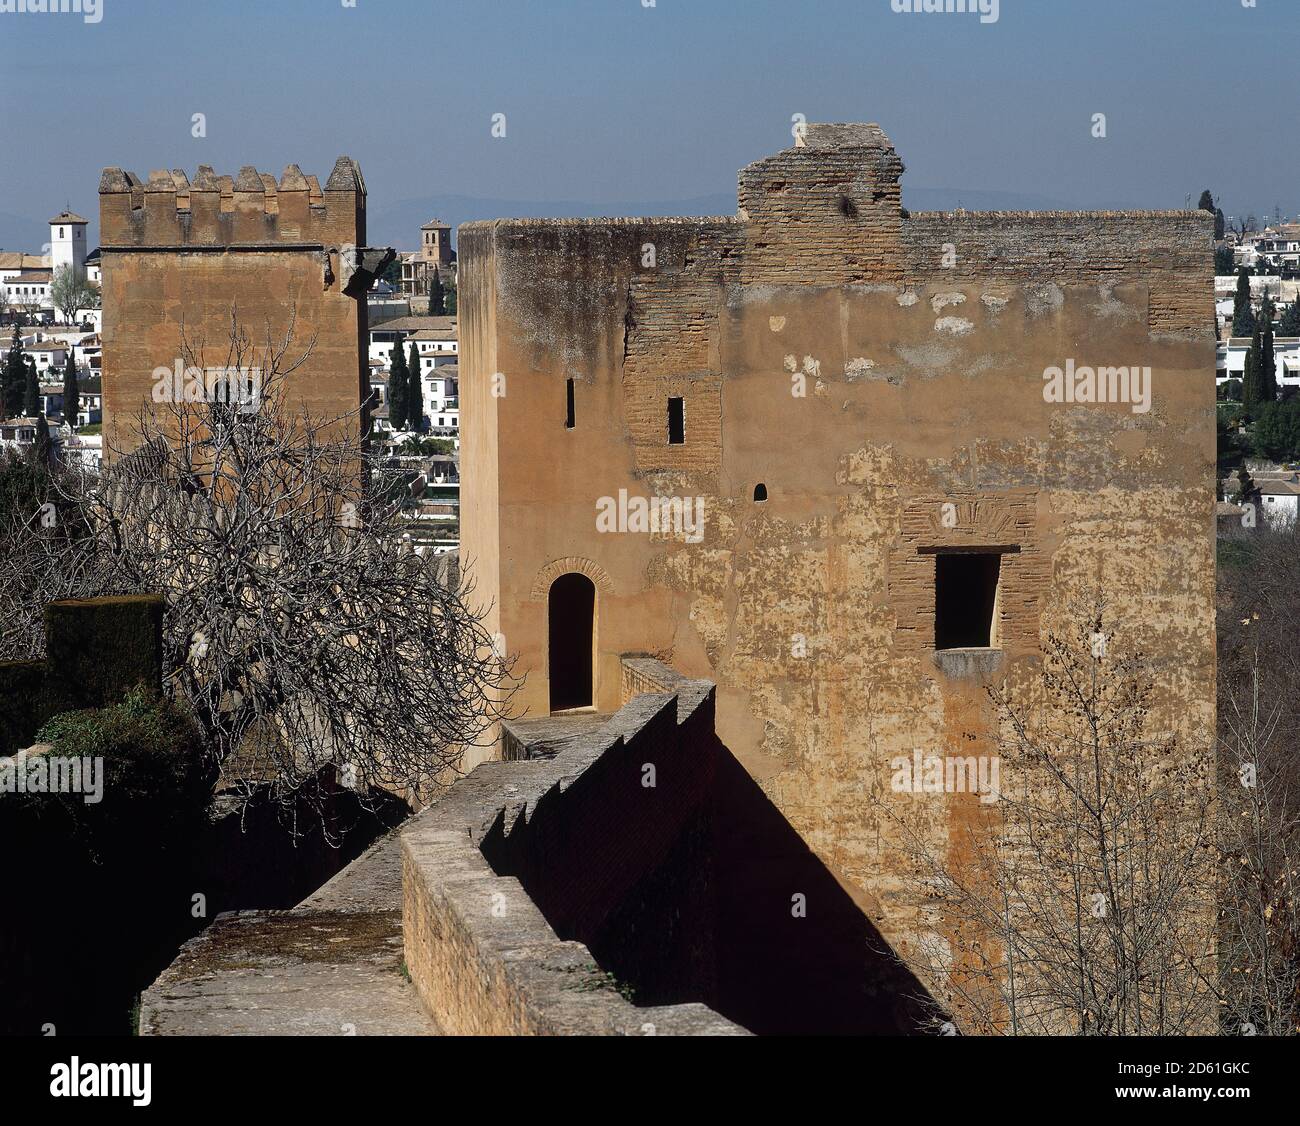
(250, 209)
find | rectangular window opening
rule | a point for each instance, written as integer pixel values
(568, 417)
(676, 422)
(965, 599)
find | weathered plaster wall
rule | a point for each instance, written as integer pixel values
(920, 344)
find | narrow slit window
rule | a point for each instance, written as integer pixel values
(676, 422)
(965, 599)
(568, 416)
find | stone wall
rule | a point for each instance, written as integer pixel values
(561, 893)
(621, 853)
(521, 863)
(180, 258)
(544, 892)
(881, 374)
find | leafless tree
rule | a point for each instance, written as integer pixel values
(300, 628)
(29, 306)
(1259, 674)
(1084, 904)
(70, 292)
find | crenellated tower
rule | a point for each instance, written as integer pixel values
(180, 255)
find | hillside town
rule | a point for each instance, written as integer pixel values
(1257, 377)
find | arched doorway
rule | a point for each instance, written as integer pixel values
(571, 616)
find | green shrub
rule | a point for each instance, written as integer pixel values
(154, 783)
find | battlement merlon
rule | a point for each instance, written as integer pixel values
(853, 167)
(838, 177)
(250, 209)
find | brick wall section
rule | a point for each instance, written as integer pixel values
(566, 849)
(220, 211)
(825, 212)
(982, 522)
(671, 350)
(1166, 249)
(829, 212)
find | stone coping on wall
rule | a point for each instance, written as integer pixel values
(481, 954)
(955, 214)
(647, 674)
(604, 221)
(547, 736)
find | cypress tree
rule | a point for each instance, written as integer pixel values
(437, 295)
(31, 393)
(1290, 323)
(44, 445)
(13, 385)
(71, 395)
(397, 388)
(415, 392)
(1267, 361)
(1243, 314)
(1249, 385)
(1220, 224)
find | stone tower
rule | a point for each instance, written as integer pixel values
(180, 256)
(890, 514)
(435, 243)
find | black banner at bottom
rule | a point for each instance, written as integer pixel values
(343, 1074)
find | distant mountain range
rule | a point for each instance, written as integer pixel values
(398, 224)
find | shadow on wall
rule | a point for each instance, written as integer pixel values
(777, 973)
(685, 890)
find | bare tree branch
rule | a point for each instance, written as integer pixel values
(301, 629)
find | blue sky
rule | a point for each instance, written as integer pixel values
(607, 100)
